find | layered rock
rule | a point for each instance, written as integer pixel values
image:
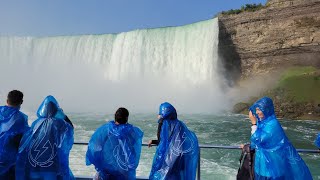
(284, 33)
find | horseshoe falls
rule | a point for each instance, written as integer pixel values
(138, 69)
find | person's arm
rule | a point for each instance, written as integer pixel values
(21, 125)
(159, 130)
(68, 121)
(269, 135)
(253, 123)
(253, 129)
(16, 140)
(156, 142)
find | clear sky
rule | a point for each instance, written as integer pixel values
(71, 17)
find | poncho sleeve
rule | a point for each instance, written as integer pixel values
(95, 147)
(317, 142)
(267, 135)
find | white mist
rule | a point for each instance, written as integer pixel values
(98, 73)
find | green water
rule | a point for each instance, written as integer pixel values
(225, 129)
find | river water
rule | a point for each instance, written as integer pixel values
(226, 129)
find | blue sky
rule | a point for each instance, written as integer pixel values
(71, 17)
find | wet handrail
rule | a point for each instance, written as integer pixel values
(205, 146)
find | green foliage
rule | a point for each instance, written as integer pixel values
(300, 84)
(246, 8)
(231, 11)
(297, 71)
(296, 93)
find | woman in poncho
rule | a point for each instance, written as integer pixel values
(275, 156)
(178, 150)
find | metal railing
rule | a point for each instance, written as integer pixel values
(203, 146)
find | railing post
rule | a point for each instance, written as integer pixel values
(198, 175)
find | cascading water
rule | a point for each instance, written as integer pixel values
(138, 69)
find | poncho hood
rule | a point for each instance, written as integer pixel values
(50, 108)
(167, 111)
(265, 104)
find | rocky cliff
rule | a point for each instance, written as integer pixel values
(283, 33)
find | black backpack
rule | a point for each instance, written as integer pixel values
(246, 169)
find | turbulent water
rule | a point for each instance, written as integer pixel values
(211, 129)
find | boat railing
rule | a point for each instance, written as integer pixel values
(201, 146)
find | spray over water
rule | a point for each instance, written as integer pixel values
(138, 69)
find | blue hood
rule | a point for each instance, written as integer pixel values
(167, 111)
(275, 156)
(50, 108)
(7, 112)
(265, 104)
(46, 146)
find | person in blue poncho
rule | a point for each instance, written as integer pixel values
(114, 148)
(275, 156)
(317, 141)
(44, 149)
(13, 124)
(177, 153)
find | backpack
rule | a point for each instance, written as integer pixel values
(246, 169)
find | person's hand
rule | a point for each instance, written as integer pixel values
(252, 118)
(241, 146)
(149, 143)
(96, 177)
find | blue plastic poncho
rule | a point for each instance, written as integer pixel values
(115, 150)
(13, 123)
(44, 149)
(177, 154)
(275, 156)
(317, 141)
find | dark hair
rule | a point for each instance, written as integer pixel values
(121, 115)
(15, 98)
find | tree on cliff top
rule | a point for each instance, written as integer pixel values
(245, 8)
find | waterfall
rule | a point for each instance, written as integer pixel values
(138, 69)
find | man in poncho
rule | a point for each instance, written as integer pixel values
(114, 149)
(275, 156)
(177, 153)
(44, 149)
(13, 124)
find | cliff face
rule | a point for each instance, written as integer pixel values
(284, 33)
